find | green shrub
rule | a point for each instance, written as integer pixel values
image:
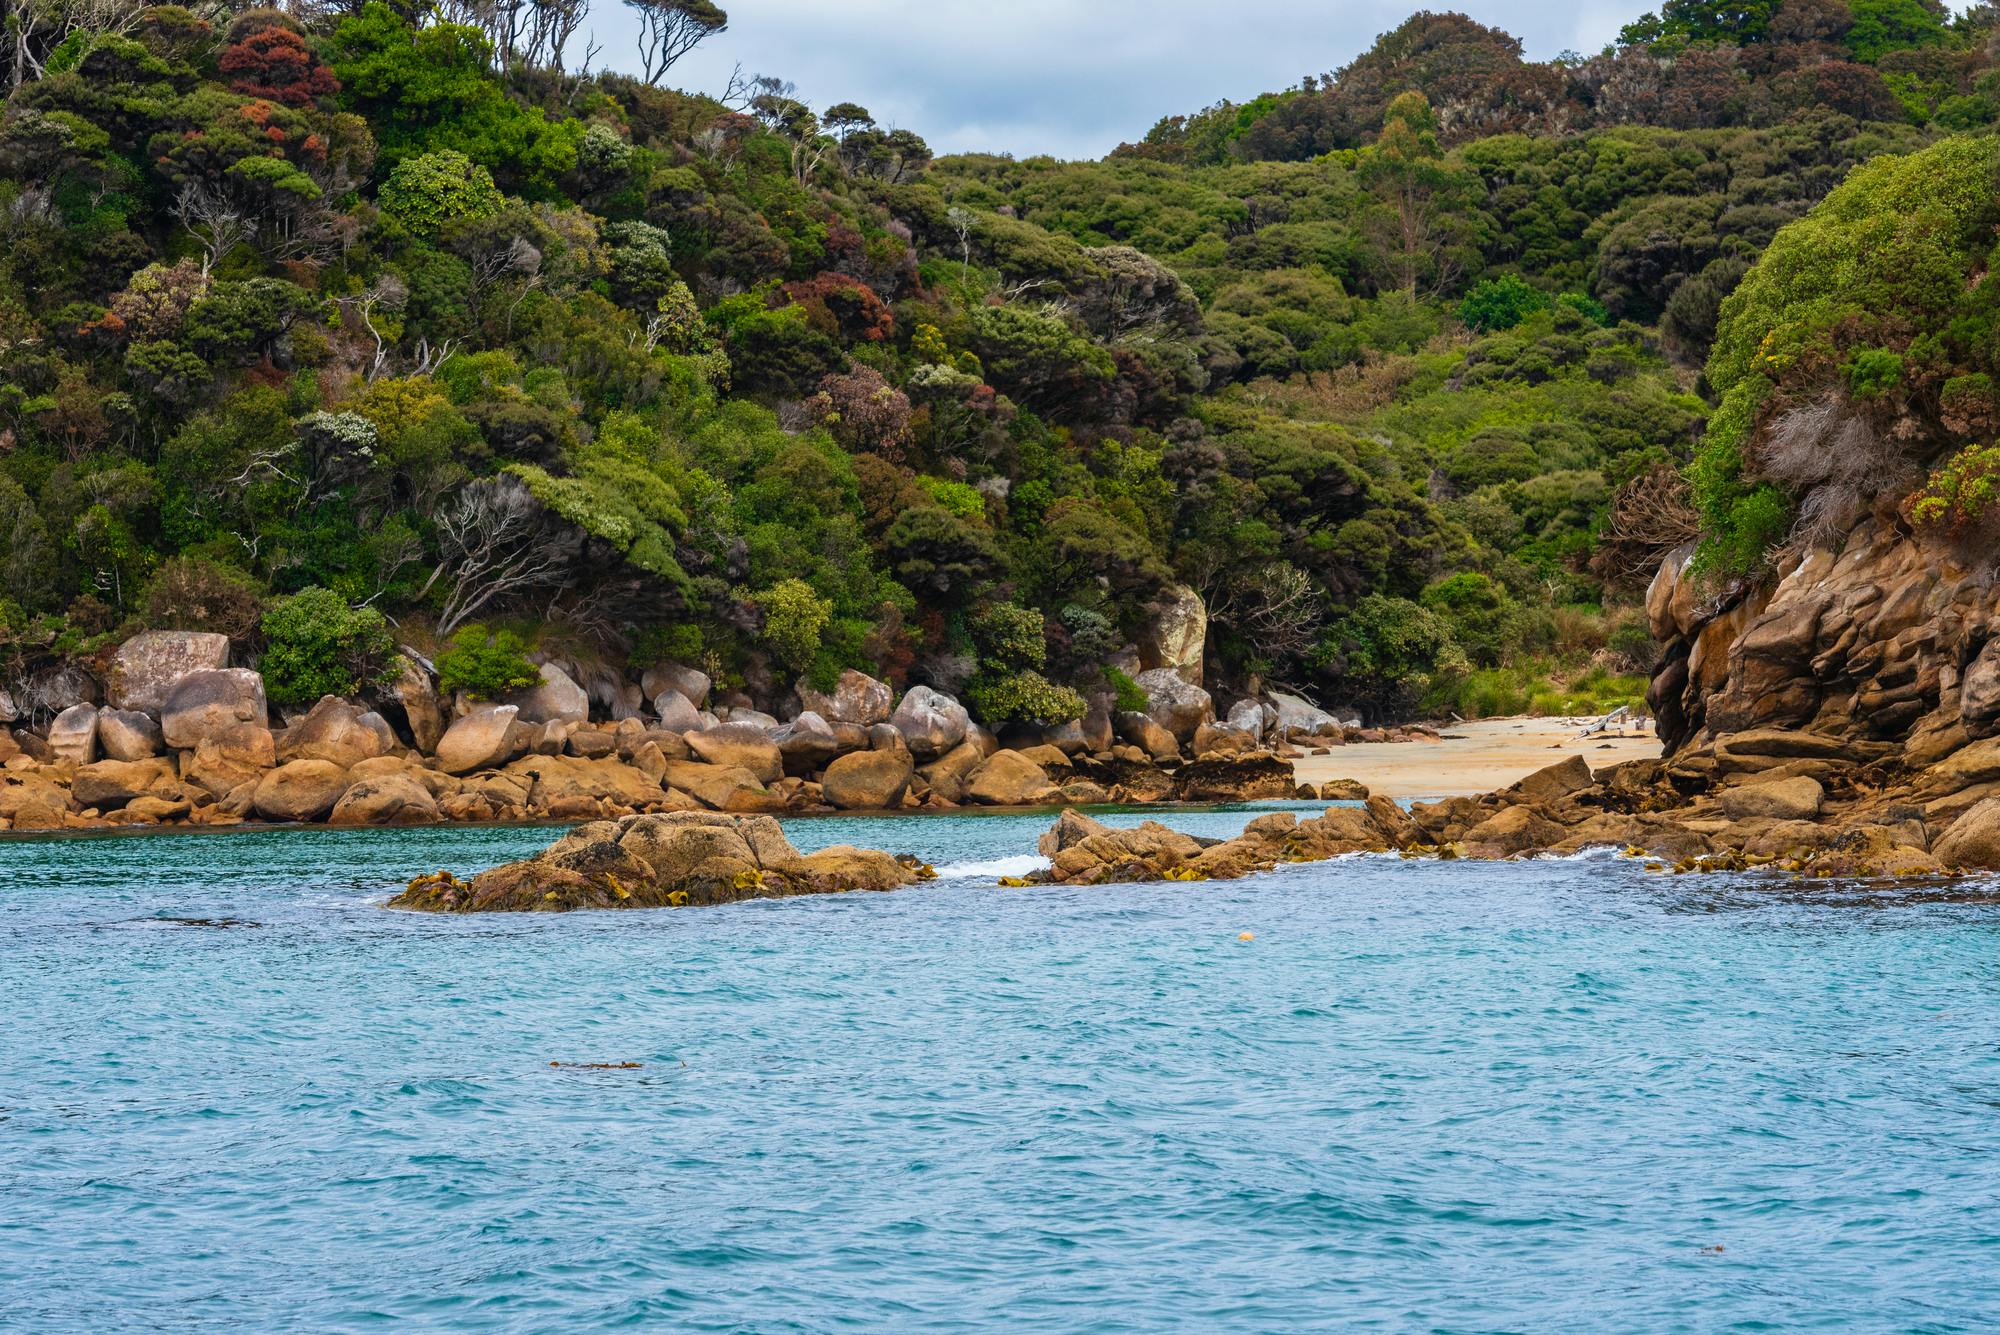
(1023, 697)
(426, 192)
(1132, 697)
(485, 665)
(794, 619)
(1483, 619)
(317, 645)
(1500, 303)
(1958, 499)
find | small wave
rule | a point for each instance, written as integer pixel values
(1019, 865)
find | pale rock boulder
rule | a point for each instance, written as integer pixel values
(947, 774)
(202, 703)
(676, 713)
(1979, 690)
(867, 781)
(1298, 716)
(1176, 636)
(1973, 839)
(486, 738)
(73, 734)
(930, 722)
(720, 787)
(127, 734)
(304, 790)
(1175, 704)
(807, 743)
(1247, 716)
(855, 698)
(558, 699)
(146, 667)
(686, 682)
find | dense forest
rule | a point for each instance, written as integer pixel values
(354, 329)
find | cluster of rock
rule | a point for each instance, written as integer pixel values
(1763, 798)
(183, 737)
(671, 860)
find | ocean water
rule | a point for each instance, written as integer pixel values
(237, 1094)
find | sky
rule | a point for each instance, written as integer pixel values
(1071, 78)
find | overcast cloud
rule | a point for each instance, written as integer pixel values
(1073, 78)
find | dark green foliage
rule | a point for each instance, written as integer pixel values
(485, 664)
(315, 645)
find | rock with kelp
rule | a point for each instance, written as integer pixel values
(662, 860)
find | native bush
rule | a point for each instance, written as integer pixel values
(485, 664)
(315, 645)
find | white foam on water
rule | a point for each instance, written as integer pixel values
(1019, 865)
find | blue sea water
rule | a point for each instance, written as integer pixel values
(237, 1094)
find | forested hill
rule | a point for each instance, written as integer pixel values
(397, 309)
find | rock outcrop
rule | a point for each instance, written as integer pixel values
(1176, 638)
(202, 703)
(146, 667)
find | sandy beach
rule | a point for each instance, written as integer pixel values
(1474, 757)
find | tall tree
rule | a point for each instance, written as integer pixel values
(669, 29)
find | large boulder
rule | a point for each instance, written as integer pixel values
(690, 685)
(855, 698)
(721, 787)
(947, 774)
(1176, 635)
(126, 734)
(1979, 689)
(1298, 716)
(230, 757)
(339, 732)
(1247, 716)
(559, 783)
(742, 745)
(202, 703)
(1009, 779)
(392, 799)
(558, 699)
(484, 739)
(807, 743)
(1552, 783)
(1781, 799)
(1258, 777)
(304, 790)
(1174, 703)
(1511, 831)
(1144, 732)
(146, 667)
(844, 867)
(867, 781)
(676, 713)
(1973, 839)
(413, 692)
(931, 722)
(666, 842)
(110, 784)
(73, 734)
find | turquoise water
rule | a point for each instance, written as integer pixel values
(1533, 1096)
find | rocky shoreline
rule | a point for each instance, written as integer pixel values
(1789, 801)
(183, 740)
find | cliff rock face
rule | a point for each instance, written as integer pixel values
(1882, 639)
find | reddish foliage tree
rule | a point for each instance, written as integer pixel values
(276, 64)
(845, 307)
(864, 412)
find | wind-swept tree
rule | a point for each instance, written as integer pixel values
(669, 29)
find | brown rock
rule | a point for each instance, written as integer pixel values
(414, 694)
(1554, 783)
(159, 809)
(720, 787)
(867, 781)
(1148, 735)
(946, 775)
(1053, 760)
(1343, 790)
(486, 738)
(30, 791)
(303, 790)
(390, 800)
(843, 868)
(1256, 777)
(73, 734)
(203, 703)
(556, 699)
(1071, 828)
(124, 734)
(741, 745)
(1511, 831)
(1008, 779)
(230, 757)
(339, 733)
(807, 744)
(1176, 634)
(686, 682)
(1973, 839)
(1783, 799)
(1174, 703)
(109, 784)
(557, 780)
(931, 722)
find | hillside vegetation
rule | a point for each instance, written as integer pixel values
(349, 328)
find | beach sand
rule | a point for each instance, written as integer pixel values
(1474, 758)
